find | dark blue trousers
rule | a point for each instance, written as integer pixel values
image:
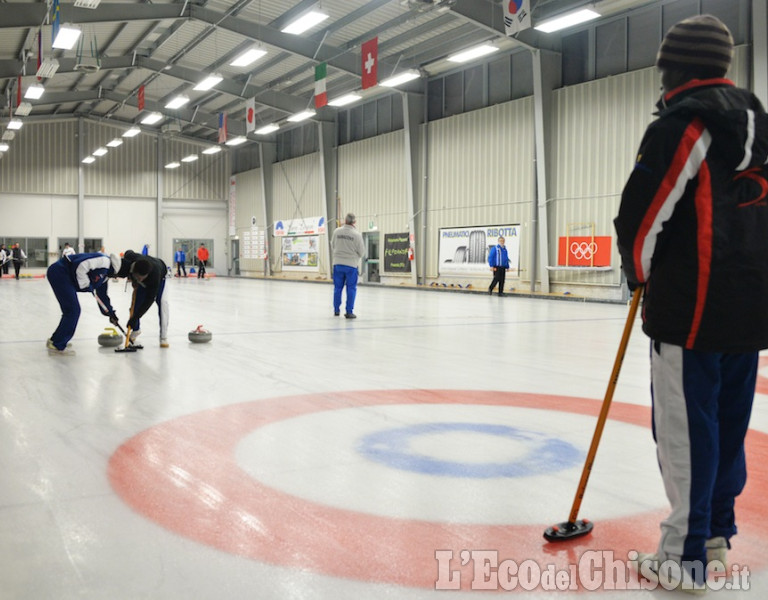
(64, 289)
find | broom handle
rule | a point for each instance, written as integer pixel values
(606, 405)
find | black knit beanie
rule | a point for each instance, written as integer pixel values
(701, 46)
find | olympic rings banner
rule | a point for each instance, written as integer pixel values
(464, 250)
(584, 251)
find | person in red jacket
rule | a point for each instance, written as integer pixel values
(692, 229)
(202, 259)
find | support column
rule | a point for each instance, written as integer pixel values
(414, 117)
(267, 155)
(80, 186)
(160, 184)
(546, 76)
(328, 159)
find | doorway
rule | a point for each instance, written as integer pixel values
(371, 272)
(235, 254)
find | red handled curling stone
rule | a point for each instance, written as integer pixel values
(199, 335)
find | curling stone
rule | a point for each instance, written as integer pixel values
(200, 335)
(110, 338)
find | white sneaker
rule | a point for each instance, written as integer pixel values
(717, 554)
(54, 351)
(164, 343)
(134, 335)
(669, 576)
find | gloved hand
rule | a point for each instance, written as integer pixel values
(132, 323)
(113, 319)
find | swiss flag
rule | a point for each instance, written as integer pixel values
(370, 62)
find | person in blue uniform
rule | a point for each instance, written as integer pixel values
(180, 258)
(84, 273)
(498, 260)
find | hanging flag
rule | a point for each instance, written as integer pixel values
(250, 115)
(370, 58)
(222, 128)
(321, 96)
(517, 15)
(140, 98)
(56, 20)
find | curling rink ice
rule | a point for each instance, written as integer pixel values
(300, 455)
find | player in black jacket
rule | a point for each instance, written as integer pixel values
(147, 275)
(693, 229)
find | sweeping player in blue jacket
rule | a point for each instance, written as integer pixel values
(79, 273)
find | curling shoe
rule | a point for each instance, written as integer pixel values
(54, 351)
(649, 567)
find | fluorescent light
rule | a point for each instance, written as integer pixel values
(4, 147)
(132, 132)
(115, 143)
(248, 57)
(177, 102)
(400, 78)
(173, 165)
(209, 82)
(302, 116)
(563, 21)
(34, 91)
(23, 109)
(473, 53)
(304, 22)
(241, 139)
(212, 150)
(87, 3)
(48, 67)
(14, 124)
(89, 159)
(190, 158)
(8, 135)
(268, 129)
(100, 151)
(344, 100)
(67, 37)
(152, 118)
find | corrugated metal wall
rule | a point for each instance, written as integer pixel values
(207, 178)
(297, 193)
(373, 184)
(42, 159)
(597, 129)
(481, 172)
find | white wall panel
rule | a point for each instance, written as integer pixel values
(122, 223)
(481, 173)
(250, 204)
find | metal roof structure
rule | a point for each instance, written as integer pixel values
(163, 48)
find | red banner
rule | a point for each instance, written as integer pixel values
(370, 62)
(141, 98)
(584, 251)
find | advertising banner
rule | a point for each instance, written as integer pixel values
(584, 251)
(464, 250)
(396, 247)
(300, 253)
(305, 226)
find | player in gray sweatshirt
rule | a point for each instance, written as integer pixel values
(347, 248)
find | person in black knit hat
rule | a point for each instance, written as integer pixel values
(692, 228)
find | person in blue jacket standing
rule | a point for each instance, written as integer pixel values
(180, 259)
(498, 260)
(88, 273)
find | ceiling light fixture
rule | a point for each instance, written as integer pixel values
(212, 150)
(208, 82)
(115, 143)
(236, 141)
(568, 20)
(344, 100)
(8, 135)
(173, 165)
(67, 37)
(177, 102)
(305, 22)
(14, 124)
(301, 116)
(401, 78)
(4, 147)
(152, 118)
(100, 151)
(34, 91)
(132, 132)
(48, 68)
(87, 3)
(23, 109)
(473, 53)
(268, 129)
(248, 57)
(89, 159)
(190, 158)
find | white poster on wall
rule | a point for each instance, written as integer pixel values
(300, 253)
(232, 205)
(303, 226)
(464, 250)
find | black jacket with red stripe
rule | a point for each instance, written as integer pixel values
(693, 220)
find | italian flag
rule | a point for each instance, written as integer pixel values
(321, 96)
